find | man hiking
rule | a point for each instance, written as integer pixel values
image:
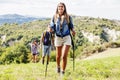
(46, 41)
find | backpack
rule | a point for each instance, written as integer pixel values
(46, 38)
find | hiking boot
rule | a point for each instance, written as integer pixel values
(58, 70)
(62, 72)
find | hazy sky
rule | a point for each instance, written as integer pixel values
(46, 8)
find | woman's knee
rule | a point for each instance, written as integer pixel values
(58, 56)
(64, 57)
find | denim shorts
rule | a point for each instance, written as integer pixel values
(46, 50)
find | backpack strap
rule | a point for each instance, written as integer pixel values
(44, 33)
(43, 36)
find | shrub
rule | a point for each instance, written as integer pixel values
(19, 37)
(77, 52)
(15, 54)
(115, 44)
(101, 48)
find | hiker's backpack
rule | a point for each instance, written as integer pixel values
(46, 38)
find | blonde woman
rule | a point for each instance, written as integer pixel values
(62, 24)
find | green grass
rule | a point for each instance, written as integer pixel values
(96, 69)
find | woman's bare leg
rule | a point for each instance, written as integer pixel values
(58, 55)
(64, 57)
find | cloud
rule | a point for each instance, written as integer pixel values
(105, 8)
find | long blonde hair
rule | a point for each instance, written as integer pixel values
(64, 13)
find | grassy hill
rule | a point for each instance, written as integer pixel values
(110, 52)
(97, 69)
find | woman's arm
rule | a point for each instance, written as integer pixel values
(71, 26)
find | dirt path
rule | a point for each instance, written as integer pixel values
(108, 53)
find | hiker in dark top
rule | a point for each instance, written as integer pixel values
(62, 24)
(46, 41)
(34, 51)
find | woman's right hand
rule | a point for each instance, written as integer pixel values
(73, 32)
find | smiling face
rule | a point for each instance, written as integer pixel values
(61, 9)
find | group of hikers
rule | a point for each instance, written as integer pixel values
(46, 42)
(62, 26)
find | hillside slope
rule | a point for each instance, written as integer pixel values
(110, 52)
(98, 69)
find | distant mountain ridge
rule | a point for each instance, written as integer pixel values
(16, 18)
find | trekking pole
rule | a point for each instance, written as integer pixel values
(73, 47)
(73, 53)
(46, 67)
(46, 62)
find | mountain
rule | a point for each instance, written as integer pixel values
(15, 18)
